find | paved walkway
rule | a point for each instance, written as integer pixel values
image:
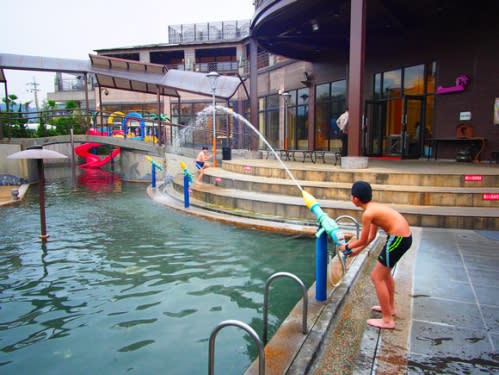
(448, 307)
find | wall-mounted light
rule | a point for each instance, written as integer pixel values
(315, 25)
(308, 79)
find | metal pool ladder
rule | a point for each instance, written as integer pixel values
(251, 331)
(247, 328)
(266, 301)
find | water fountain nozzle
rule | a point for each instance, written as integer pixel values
(327, 224)
(154, 162)
(186, 171)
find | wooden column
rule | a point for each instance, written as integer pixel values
(356, 75)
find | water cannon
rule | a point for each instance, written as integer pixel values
(187, 174)
(153, 162)
(328, 225)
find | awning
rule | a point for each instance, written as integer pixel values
(128, 75)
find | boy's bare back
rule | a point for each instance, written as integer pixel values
(385, 217)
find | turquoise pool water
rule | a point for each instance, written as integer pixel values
(125, 286)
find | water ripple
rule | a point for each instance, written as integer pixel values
(142, 277)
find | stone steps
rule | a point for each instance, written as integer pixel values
(282, 208)
(386, 193)
(409, 173)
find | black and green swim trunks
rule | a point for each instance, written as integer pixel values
(395, 247)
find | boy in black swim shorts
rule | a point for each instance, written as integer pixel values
(395, 247)
(201, 162)
(377, 215)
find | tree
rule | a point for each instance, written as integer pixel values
(13, 123)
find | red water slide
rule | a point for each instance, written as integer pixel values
(92, 160)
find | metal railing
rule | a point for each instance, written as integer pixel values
(210, 31)
(247, 328)
(352, 219)
(266, 301)
(254, 335)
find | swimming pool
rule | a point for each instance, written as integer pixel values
(127, 286)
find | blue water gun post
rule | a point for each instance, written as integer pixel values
(327, 227)
(154, 165)
(187, 183)
(321, 267)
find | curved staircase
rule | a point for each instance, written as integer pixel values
(428, 193)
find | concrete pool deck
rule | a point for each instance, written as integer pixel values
(448, 312)
(6, 194)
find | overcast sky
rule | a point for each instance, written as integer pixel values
(74, 29)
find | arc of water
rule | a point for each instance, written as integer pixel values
(209, 110)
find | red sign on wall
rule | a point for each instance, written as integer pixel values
(490, 196)
(473, 178)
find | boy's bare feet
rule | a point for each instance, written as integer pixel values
(377, 308)
(380, 323)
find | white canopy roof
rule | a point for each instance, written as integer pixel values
(125, 74)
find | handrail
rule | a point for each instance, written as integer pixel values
(247, 328)
(357, 225)
(266, 302)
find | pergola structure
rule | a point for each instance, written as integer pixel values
(120, 74)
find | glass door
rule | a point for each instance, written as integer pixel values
(413, 125)
(374, 127)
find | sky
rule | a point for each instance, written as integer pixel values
(74, 29)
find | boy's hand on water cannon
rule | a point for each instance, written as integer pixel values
(347, 251)
(350, 252)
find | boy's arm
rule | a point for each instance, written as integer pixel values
(366, 236)
(373, 231)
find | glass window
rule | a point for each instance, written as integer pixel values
(322, 92)
(261, 104)
(272, 101)
(272, 128)
(414, 80)
(330, 104)
(392, 82)
(431, 70)
(302, 119)
(339, 89)
(261, 121)
(378, 89)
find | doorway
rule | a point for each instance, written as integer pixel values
(374, 127)
(395, 127)
(413, 126)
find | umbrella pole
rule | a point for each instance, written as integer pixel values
(41, 189)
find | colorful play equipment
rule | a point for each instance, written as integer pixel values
(110, 123)
(92, 160)
(143, 133)
(126, 131)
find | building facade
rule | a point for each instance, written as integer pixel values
(416, 73)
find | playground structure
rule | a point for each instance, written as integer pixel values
(92, 160)
(132, 126)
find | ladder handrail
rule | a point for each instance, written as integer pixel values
(266, 302)
(248, 329)
(351, 218)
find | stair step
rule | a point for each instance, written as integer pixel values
(287, 208)
(408, 173)
(391, 194)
